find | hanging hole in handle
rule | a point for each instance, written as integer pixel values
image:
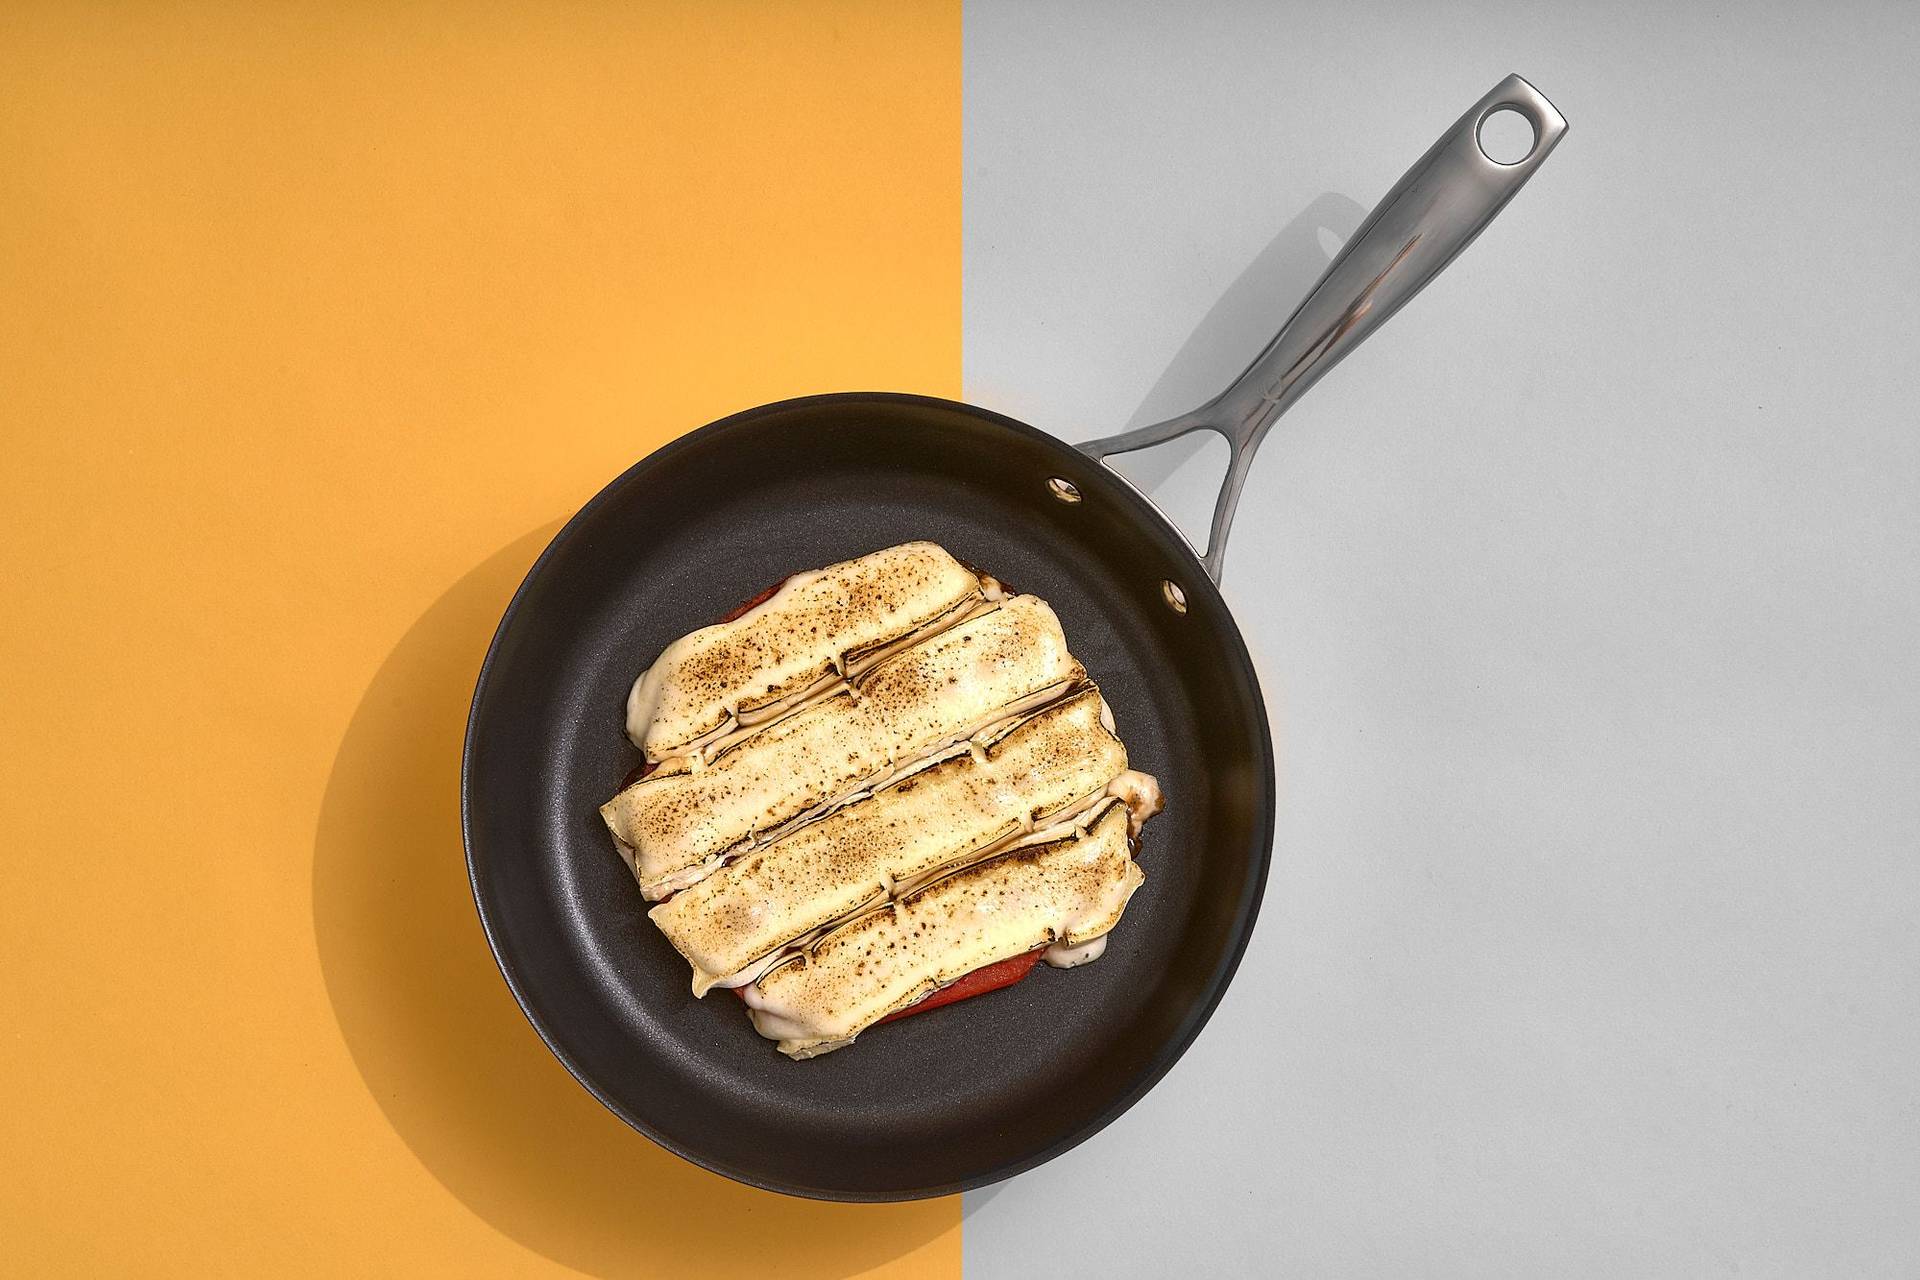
(1507, 135)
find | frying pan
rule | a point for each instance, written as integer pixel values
(993, 1086)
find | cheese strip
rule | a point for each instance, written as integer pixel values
(1051, 762)
(677, 824)
(817, 628)
(1067, 892)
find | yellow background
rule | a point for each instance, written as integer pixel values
(314, 322)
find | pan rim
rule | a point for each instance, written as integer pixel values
(1171, 1050)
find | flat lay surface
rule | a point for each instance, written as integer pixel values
(318, 325)
(1581, 599)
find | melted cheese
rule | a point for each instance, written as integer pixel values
(1141, 794)
(1049, 763)
(1066, 892)
(1061, 956)
(816, 629)
(677, 824)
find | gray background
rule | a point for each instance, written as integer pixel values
(1584, 599)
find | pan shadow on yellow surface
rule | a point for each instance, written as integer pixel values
(441, 1044)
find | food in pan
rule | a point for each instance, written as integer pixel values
(686, 817)
(1067, 892)
(816, 629)
(1041, 770)
(886, 781)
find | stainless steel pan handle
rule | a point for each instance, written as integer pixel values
(1433, 213)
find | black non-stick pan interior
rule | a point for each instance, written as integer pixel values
(959, 1096)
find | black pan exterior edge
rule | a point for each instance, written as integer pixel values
(932, 1105)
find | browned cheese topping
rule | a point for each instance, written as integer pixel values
(884, 776)
(816, 629)
(1049, 763)
(680, 820)
(1067, 891)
